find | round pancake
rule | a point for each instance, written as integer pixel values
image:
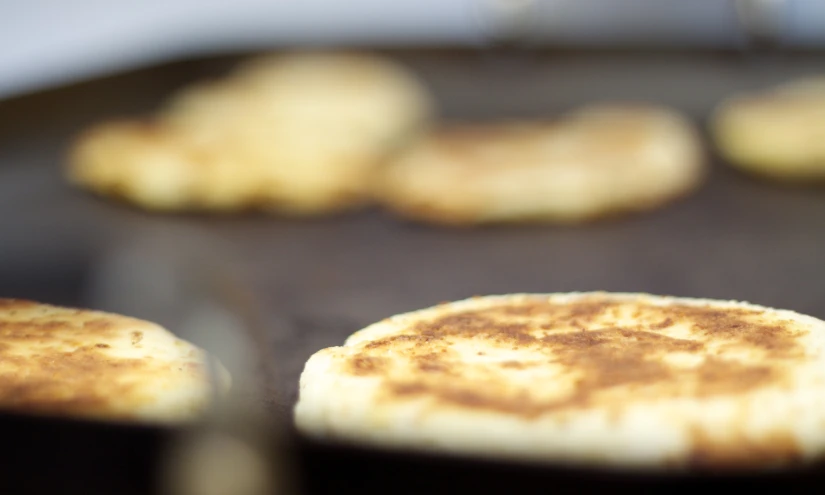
(600, 160)
(299, 134)
(611, 380)
(79, 363)
(776, 134)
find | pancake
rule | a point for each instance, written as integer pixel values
(299, 133)
(610, 380)
(350, 95)
(776, 134)
(601, 160)
(87, 364)
(163, 168)
(155, 166)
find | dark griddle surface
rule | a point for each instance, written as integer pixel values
(321, 280)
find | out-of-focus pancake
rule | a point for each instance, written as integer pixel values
(777, 134)
(89, 364)
(339, 96)
(598, 161)
(299, 133)
(596, 379)
(159, 168)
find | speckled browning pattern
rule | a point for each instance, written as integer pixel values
(84, 363)
(535, 357)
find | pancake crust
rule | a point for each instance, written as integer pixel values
(298, 133)
(598, 161)
(81, 363)
(606, 379)
(777, 134)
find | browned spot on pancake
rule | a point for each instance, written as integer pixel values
(72, 381)
(366, 365)
(617, 356)
(737, 325)
(465, 325)
(11, 304)
(776, 339)
(35, 329)
(403, 389)
(56, 360)
(393, 341)
(439, 361)
(432, 366)
(99, 324)
(724, 376)
(605, 358)
(518, 365)
(458, 323)
(52, 325)
(628, 341)
(472, 325)
(581, 340)
(585, 311)
(137, 337)
(739, 452)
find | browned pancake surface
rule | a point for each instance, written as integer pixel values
(77, 362)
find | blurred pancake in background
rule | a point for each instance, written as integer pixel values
(597, 161)
(299, 133)
(777, 133)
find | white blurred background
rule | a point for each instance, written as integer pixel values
(52, 42)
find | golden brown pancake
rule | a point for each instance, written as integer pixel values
(79, 363)
(596, 379)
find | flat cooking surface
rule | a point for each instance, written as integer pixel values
(321, 280)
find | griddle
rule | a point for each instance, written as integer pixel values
(320, 280)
